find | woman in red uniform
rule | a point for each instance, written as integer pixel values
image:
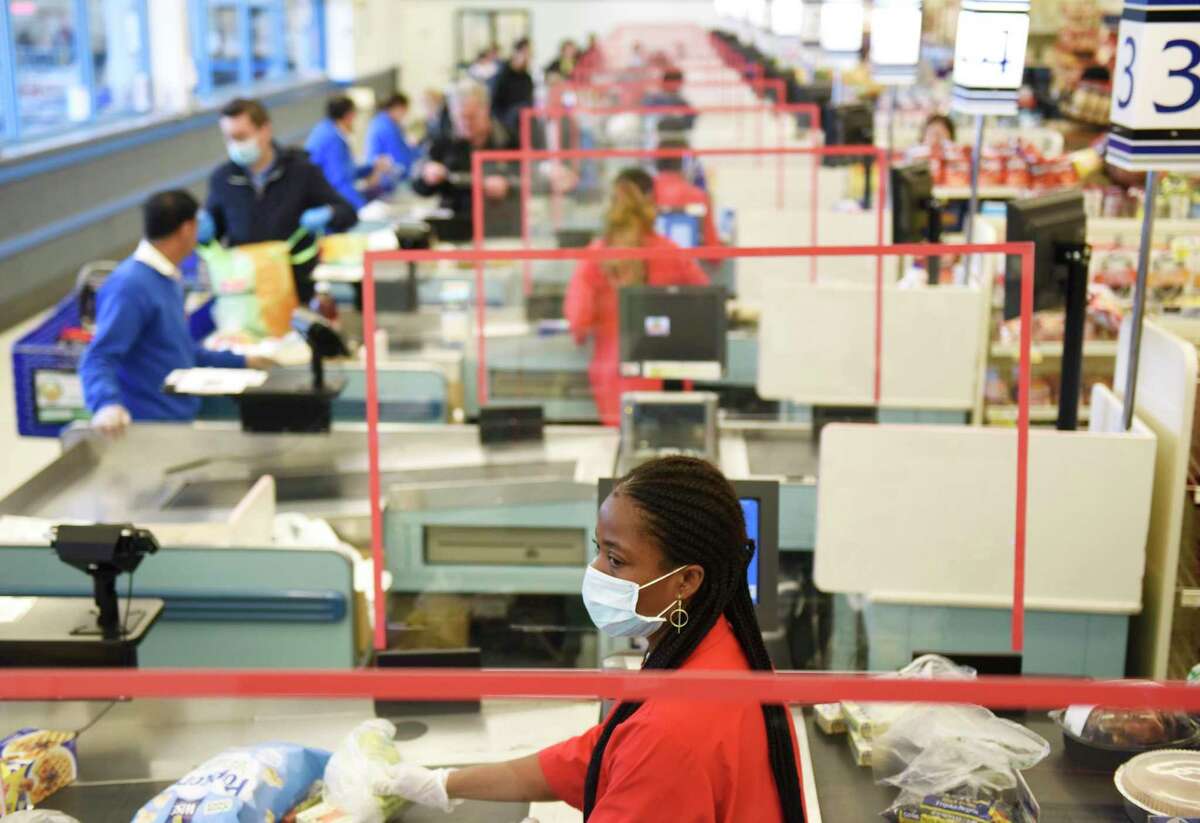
(591, 302)
(671, 567)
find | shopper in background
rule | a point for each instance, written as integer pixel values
(435, 115)
(486, 66)
(563, 65)
(513, 88)
(386, 137)
(674, 192)
(265, 191)
(446, 169)
(142, 332)
(591, 301)
(328, 146)
(938, 130)
(670, 95)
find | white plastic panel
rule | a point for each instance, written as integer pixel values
(926, 515)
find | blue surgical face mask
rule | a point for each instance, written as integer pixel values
(244, 153)
(612, 604)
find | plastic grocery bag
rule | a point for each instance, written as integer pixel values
(250, 784)
(38, 816)
(358, 767)
(960, 758)
(253, 285)
(870, 720)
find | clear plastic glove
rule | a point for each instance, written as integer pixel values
(425, 787)
(316, 220)
(206, 228)
(112, 420)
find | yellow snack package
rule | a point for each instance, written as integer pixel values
(34, 764)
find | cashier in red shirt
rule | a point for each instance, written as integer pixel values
(674, 192)
(591, 302)
(671, 567)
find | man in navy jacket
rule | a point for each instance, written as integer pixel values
(142, 333)
(266, 191)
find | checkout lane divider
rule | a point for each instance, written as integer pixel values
(798, 688)
(526, 158)
(480, 257)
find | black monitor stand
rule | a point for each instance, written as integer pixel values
(933, 265)
(1075, 256)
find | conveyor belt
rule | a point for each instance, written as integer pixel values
(1066, 792)
(119, 802)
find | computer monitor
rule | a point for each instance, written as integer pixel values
(1052, 222)
(912, 195)
(850, 124)
(679, 227)
(760, 508)
(672, 333)
(1057, 226)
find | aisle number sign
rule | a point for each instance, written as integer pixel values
(895, 41)
(787, 18)
(841, 29)
(1155, 110)
(989, 56)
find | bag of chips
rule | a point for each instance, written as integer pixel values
(34, 764)
(251, 784)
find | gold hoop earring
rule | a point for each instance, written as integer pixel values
(678, 616)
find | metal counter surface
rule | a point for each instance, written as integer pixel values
(164, 473)
(1067, 793)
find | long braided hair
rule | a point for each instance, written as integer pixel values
(692, 512)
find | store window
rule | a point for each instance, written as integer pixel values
(242, 42)
(74, 63)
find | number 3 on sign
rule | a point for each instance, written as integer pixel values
(1157, 83)
(1127, 73)
(1187, 73)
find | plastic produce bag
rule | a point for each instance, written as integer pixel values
(963, 760)
(253, 285)
(250, 784)
(870, 720)
(360, 765)
(38, 816)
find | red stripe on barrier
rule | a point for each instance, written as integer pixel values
(457, 684)
(374, 483)
(480, 297)
(1018, 610)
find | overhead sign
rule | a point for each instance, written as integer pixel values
(787, 18)
(1155, 110)
(842, 29)
(895, 41)
(810, 24)
(989, 56)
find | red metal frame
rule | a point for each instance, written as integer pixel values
(758, 85)
(480, 256)
(528, 158)
(805, 688)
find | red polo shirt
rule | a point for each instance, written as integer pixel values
(680, 760)
(672, 191)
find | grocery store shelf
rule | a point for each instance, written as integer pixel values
(1007, 415)
(985, 192)
(1130, 227)
(1091, 348)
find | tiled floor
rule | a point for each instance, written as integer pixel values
(19, 456)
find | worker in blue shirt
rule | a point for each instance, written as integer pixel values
(386, 137)
(142, 332)
(266, 191)
(328, 146)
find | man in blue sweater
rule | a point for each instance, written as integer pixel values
(141, 331)
(386, 137)
(328, 146)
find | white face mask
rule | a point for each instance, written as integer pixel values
(244, 153)
(612, 604)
